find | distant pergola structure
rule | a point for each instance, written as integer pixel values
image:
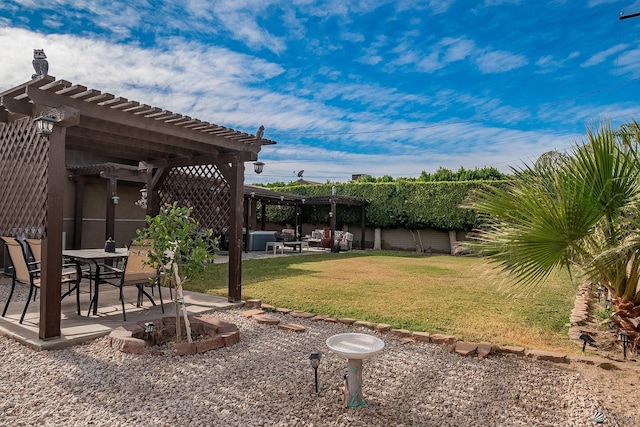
(184, 159)
(265, 196)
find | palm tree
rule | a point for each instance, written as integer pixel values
(580, 210)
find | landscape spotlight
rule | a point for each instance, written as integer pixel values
(314, 358)
(624, 337)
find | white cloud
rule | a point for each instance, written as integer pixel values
(500, 2)
(446, 51)
(434, 6)
(352, 37)
(500, 62)
(600, 57)
(370, 59)
(629, 63)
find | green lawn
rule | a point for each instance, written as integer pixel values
(438, 294)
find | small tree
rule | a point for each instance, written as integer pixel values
(178, 249)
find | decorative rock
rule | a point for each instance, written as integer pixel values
(407, 340)
(330, 320)
(292, 327)
(283, 310)
(129, 345)
(302, 314)
(266, 319)
(511, 349)
(318, 318)
(251, 313)
(268, 307)
(250, 303)
(218, 333)
(484, 349)
(443, 339)
(548, 356)
(585, 360)
(220, 326)
(231, 338)
(382, 327)
(465, 348)
(363, 324)
(185, 348)
(422, 336)
(136, 329)
(209, 344)
(346, 320)
(121, 339)
(608, 366)
(402, 333)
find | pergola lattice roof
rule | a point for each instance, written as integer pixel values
(125, 129)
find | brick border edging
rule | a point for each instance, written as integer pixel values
(481, 350)
(128, 338)
(581, 312)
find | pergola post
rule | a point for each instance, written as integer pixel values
(247, 210)
(363, 215)
(332, 222)
(50, 286)
(236, 183)
(110, 219)
(78, 212)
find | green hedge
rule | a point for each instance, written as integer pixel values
(400, 204)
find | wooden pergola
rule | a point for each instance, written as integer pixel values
(253, 194)
(169, 147)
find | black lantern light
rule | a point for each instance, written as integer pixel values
(314, 358)
(45, 123)
(257, 167)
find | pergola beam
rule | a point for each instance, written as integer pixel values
(122, 118)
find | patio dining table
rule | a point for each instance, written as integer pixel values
(92, 257)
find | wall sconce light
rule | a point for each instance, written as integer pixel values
(282, 198)
(142, 202)
(253, 194)
(257, 167)
(330, 214)
(116, 199)
(45, 123)
(314, 358)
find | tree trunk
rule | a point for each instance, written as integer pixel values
(180, 304)
(453, 242)
(417, 242)
(377, 240)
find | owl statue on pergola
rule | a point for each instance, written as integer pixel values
(40, 64)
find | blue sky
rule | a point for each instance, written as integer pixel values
(348, 87)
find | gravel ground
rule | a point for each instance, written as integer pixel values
(267, 380)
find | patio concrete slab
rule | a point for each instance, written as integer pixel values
(76, 329)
